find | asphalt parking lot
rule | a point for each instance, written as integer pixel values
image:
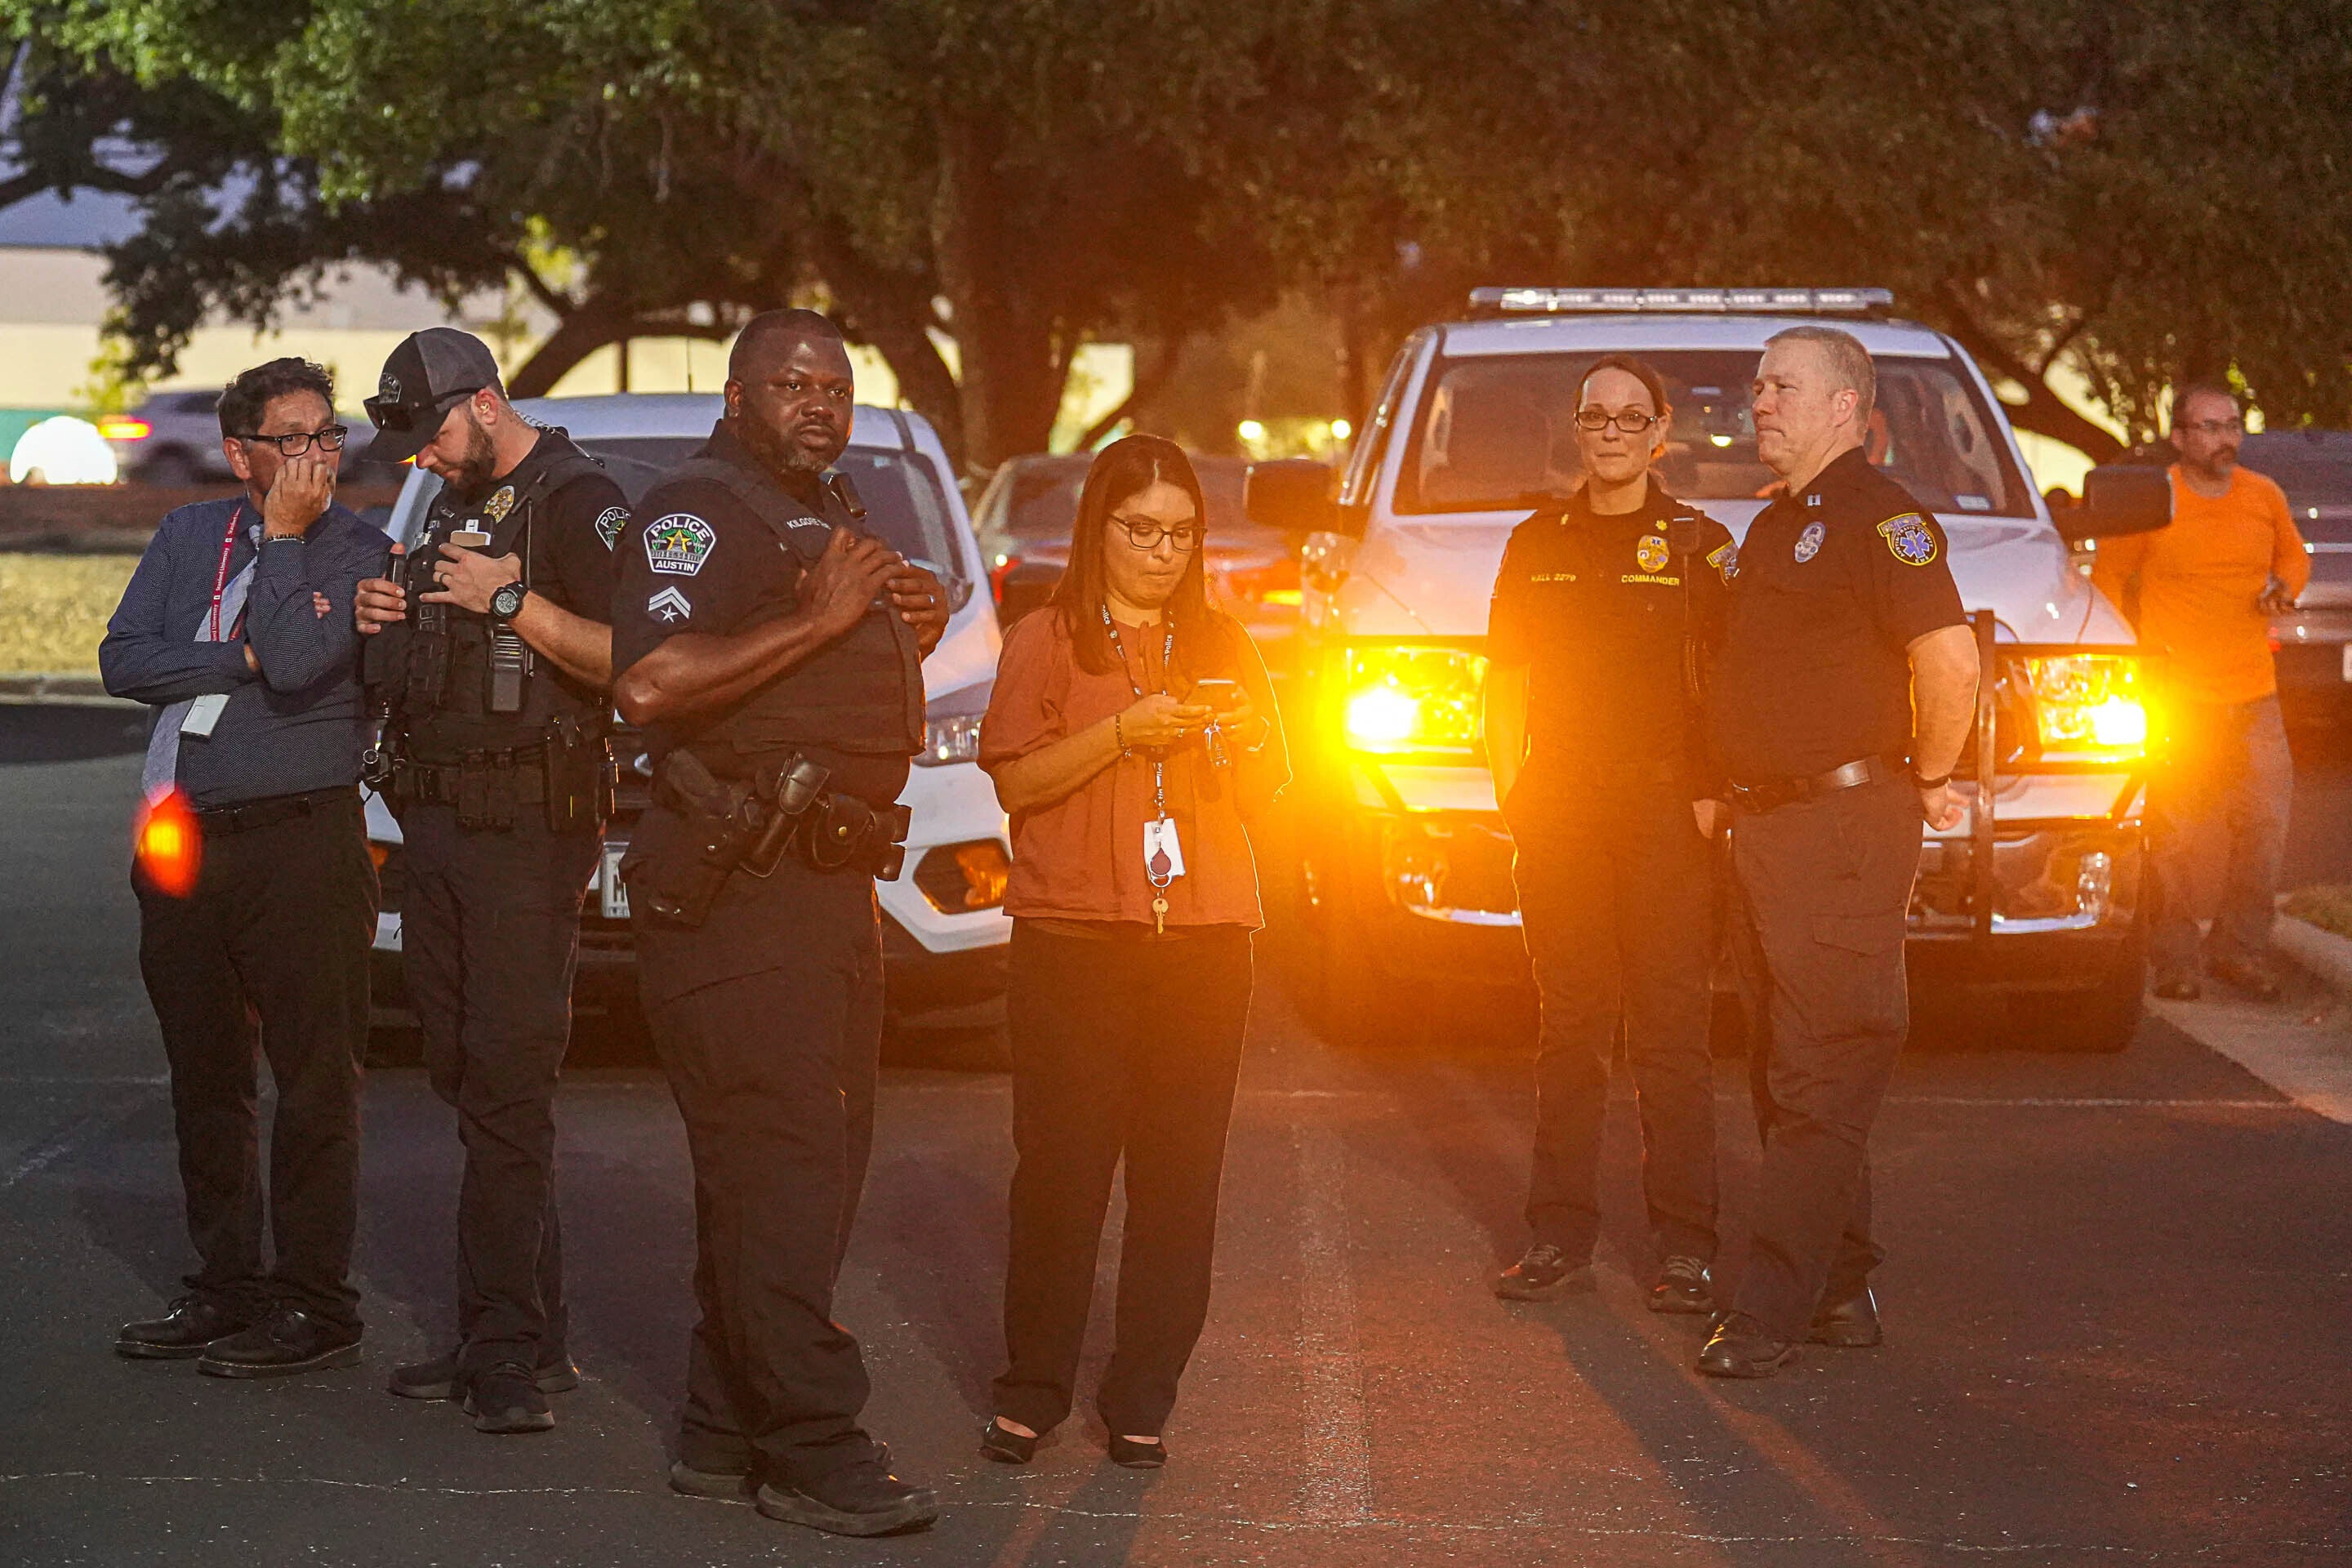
(2120, 1303)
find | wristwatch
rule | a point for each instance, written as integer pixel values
(507, 603)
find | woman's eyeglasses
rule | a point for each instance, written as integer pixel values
(1148, 535)
(331, 440)
(1632, 421)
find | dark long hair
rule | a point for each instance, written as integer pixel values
(1122, 471)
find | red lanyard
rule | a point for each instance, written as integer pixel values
(220, 577)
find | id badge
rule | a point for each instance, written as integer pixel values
(1159, 842)
(202, 714)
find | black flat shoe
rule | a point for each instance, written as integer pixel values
(1850, 1324)
(288, 1341)
(1136, 1456)
(181, 1333)
(1006, 1448)
(1743, 1347)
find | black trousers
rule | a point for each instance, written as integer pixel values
(1617, 904)
(773, 1071)
(1119, 1049)
(490, 936)
(275, 932)
(1824, 888)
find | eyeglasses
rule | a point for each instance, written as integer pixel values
(1148, 535)
(1632, 421)
(2217, 426)
(331, 440)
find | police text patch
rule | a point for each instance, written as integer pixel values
(680, 544)
(608, 524)
(1908, 539)
(669, 605)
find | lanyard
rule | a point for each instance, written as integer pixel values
(1167, 654)
(220, 577)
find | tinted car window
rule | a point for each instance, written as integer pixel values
(2314, 469)
(1493, 429)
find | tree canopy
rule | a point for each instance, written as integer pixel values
(2074, 191)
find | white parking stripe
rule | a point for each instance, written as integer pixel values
(1335, 1470)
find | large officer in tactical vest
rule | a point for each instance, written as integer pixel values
(773, 649)
(489, 666)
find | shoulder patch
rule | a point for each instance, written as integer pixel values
(1725, 559)
(680, 544)
(1908, 539)
(609, 523)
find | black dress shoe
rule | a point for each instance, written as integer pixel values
(182, 1333)
(1743, 1347)
(1850, 1324)
(1684, 1286)
(505, 1400)
(1130, 1455)
(1543, 1273)
(438, 1379)
(1005, 1447)
(864, 1499)
(289, 1339)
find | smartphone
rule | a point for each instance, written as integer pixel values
(1223, 696)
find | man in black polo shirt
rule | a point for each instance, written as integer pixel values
(774, 649)
(237, 629)
(1602, 617)
(1843, 693)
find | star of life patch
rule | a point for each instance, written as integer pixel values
(1908, 539)
(609, 523)
(680, 544)
(1809, 543)
(669, 605)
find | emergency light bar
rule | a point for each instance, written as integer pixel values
(1738, 301)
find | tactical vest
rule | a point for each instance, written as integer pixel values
(861, 693)
(444, 723)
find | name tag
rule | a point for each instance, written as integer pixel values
(202, 714)
(1163, 857)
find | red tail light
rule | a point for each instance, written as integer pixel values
(996, 576)
(169, 844)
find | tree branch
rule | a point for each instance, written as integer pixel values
(2043, 412)
(1144, 386)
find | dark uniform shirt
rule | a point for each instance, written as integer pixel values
(698, 560)
(569, 563)
(1596, 607)
(1831, 586)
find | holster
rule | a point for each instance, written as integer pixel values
(580, 777)
(679, 875)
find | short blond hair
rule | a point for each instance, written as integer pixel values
(1848, 361)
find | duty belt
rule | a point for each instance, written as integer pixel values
(1771, 795)
(218, 819)
(444, 781)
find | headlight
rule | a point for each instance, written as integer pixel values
(951, 728)
(1408, 699)
(2089, 707)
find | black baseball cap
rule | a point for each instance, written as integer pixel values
(428, 375)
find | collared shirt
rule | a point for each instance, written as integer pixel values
(2194, 587)
(722, 571)
(299, 723)
(1081, 858)
(1596, 607)
(1831, 586)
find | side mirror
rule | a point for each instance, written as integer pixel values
(2117, 498)
(1291, 495)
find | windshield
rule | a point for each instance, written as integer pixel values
(1495, 428)
(904, 503)
(1044, 501)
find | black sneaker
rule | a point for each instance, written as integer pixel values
(719, 1486)
(506, 1399)
(438, 1379)
(183, 1330)
(289, 1339)
(1684, 1286)
(1850, 1324)
(1542, 1274)
(864, 1499)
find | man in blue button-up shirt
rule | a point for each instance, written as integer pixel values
(236, 628)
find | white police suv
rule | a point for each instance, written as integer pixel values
(943, 927)
(1405, 861)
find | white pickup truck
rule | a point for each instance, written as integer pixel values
(1405, 861)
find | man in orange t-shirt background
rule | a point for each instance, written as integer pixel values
(2201, 591)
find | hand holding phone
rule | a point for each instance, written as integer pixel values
(1223, 696)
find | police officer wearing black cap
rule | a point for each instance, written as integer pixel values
(488, 667)
(1843, 693)
(773, 648)
(1596, 646)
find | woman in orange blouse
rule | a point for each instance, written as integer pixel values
(1132, 736)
